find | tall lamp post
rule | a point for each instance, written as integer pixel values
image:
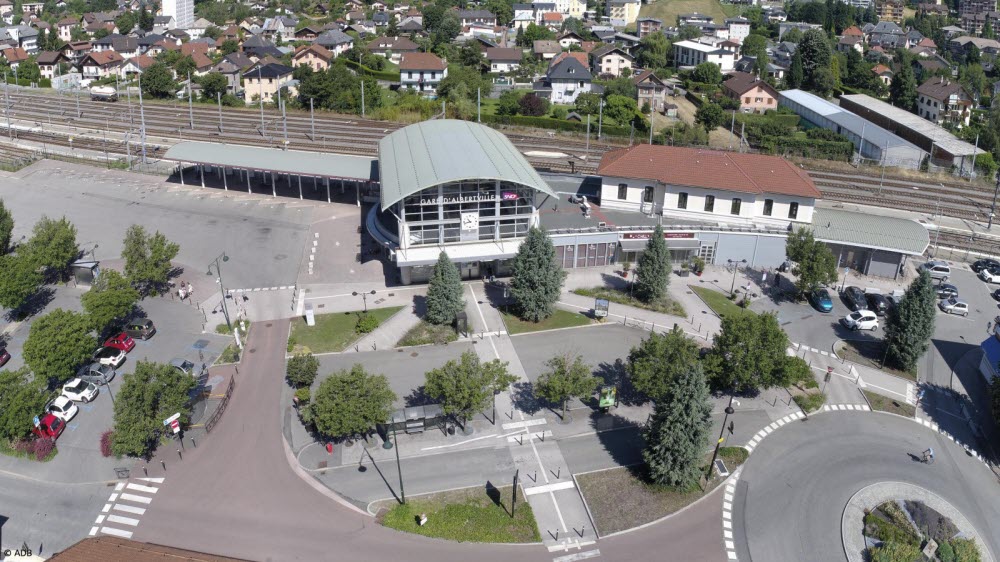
(729, 410)
(389, 445)
(218, 271)
(736, 267)
(364, 297)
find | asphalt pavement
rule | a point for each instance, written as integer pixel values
(46, 516)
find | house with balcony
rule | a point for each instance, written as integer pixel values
(49, 61)
(753, 94)
(942, 100)
(422, 72)
(649, 89)
(504, 59)
(392, 48)
(565, 80)
(97, 65)
(264, 81)
(610, 60)
(689, 54)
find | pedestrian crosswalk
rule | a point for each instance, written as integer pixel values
(120, 515)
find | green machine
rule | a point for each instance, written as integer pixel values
(609, 397)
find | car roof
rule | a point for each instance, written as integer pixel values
(61, 398)
(74, 382)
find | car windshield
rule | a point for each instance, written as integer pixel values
(80, 386)
(857, 315)
(823, 294)
(952, 301)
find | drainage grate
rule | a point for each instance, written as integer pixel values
(320, 306)
(252, 350)
(268, 325)
(414, 354)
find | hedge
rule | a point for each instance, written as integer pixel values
(377, 74)
(697, 100)
(42, 82)
(782, 119)
(812, 148)
(556, 124)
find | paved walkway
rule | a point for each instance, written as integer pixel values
(389, 332)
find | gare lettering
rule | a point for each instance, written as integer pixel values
(505, 196)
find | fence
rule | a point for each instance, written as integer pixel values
(222, 405)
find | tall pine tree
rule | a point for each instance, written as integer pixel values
(796, 72)
(537, 278)
(910, 324)
(653, 272)
(677, 433)
(444, 294)
(903, 88)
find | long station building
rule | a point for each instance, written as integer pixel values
(463, 188)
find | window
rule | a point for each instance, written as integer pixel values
(768, 207)
(647, 194)
(735, 209)
(682, 200)
(623, 191)
(746, 99)
(709, 203)
(793, 210)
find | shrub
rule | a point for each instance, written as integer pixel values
(43, 448)
(890, 551)
(303, 395)
(106, 440)
(291, 343)
(965, 550)
(366, 324)
(945, 552)
(302, 370)
(559, 112)
(25, 446)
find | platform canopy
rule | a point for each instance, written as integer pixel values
(440, 151)
(296, 162)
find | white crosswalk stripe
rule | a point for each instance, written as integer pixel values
(131, 498)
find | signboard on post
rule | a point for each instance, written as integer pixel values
(176, 426)
(172, 418)
(600, 308)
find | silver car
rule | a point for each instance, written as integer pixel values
(954, 306)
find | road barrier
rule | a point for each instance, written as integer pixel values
(222, 405)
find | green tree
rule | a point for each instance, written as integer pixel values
(533, 105)
(229, 46)
(125, 22)
(588, 104)
(988, 31)
(621, 109)
(710, 115)
(565, 378)
(22, 397)
(815, 263)
(903, 89)
(147, 258)
(52, 246)
(448, 29)
(652, 275)
(109, 301)
(213, 86)
(19, 280)
(509, 102)
(154, 392)
(212, 32)
(910, 324)
(816, 56)
(57, 344)
(145, 19)
(659, 360)
(351, 402)
(6, 228)
(677, 432)
(444, 292)
(747, 354)
(707, 73)
(470, 56)
(466, 386)
(185, 66)
(534, 33)
(793, 35)
(302, 370)
(654, 51)
(29, 71)
(796, 72)
(158, 81)
(501, 9)
(537, 279)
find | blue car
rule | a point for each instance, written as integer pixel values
(822, 301)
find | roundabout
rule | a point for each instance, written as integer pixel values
(791, 495)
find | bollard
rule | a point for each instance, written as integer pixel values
(373, 347)
(558, 472)
(181, 442)
(144, 471)
(179, 455)
(164, 465)
(193, 444)
(237, 367)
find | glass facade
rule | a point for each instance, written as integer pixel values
(468, 211)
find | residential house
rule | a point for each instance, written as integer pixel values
(380, 19)
(963, 45)
(314, 56)
(202, 64)
(32, 8)
(541, 8)
(96, 65)
(693, 19)
(645, 26)
(135, 65)
(422, 72)
(264, 81)
(545, 49)
(125, 45)
(75, 51)
(565, 80)
(64, 28)
(610, 60)
(335, 41)
(161, 24)
(753, 94)
(968, 7)
(411, 25)
(259, 47)
(197, 29)
(49, 61)
(739, 29)
(470, 17)
(890, 10)
(975, 23)
(887, 35)
(392, 48)
(160, 46)
(688, 54)
(178, 35)
(925, 9)
(6, 10)
(26, 37)
(308, 33)
(649, 89)
(232, 72)
(785, 27)
(14, 56)
(503, 59)
(884, 73)
(622, 13)
(552, 21)
(524, 15)
(279, 27)
(566, 40)
(942, 100)
(848, 42)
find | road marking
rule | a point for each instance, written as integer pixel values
(99, 520)
(727, 524)
(124, 520)
(141, 488)
(727, 534)
(732, 554)
(537, 435)
(156, 480)
(119, 486)
(525, 423)
(567, 544)
(577, 556)
(116, 532)
(137, 499)
(130, 509)
(459, 443)
(93, 530)
(112, 498)
(107, 507)
(565, 485)
(824, 353)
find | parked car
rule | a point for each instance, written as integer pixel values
(122, 341)
(855, 298)
(141, 328)
(946, 291)
(954, 306)
(79, 390)
(860, 320)
(990, 275)
(982, 264)
(821, 300)
(877, 303)
(96, 373)
(187, 367)
(893, 300)
(4, 356)
(62, 408)
(49, 427)
(109, 356)
(996, 294)
(939, 270)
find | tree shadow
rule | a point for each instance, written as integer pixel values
(418, 397)
(523, 397)
(33, 305)
(961, 415)
(615, 281)
(621, 438)
(420, 305)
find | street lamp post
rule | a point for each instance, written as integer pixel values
(364, 297)
(218, 270)
(736, 267)
(399, 468)
(729, 410)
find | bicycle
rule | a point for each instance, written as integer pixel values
(928, 457)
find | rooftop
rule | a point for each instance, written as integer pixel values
(939, 135)
(870, 231)
(274, 159)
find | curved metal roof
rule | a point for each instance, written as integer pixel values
(440, 151)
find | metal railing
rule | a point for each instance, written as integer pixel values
(222, 405)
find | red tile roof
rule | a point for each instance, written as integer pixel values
(421, 61)
(709, 169)
(16, 54)
(113, 549)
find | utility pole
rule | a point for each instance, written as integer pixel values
(651, 126)
(260, 95)
(587, 155)
(479, 106)
(142, 121)
(362, 97)
(284, 122)
(190, 103)
(312, 120)
(600, 119)
(975, 149)
(885, 155)
(732, 130)
(993, 207)
(6, 107)
(218, 97)
(743, 129)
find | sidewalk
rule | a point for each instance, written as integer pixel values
(388, 333)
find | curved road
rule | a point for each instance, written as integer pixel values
(236, 495)
(793, 489)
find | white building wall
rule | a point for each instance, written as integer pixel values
(181, 10)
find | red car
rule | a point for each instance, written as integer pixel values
(5, 355)
(122, 341)
(49, 427)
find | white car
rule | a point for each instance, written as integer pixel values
(990, 275)
(860, 320)
(110, 356)
(954, 306)
(80, 391)
(62, 408)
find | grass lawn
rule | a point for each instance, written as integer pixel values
(621, 498)
(668, 10)
(425, 333)
(666, 306)
(468, 515)
(810, 402)
(869, 354)
(886, 404)
(718, 302)
(559, 319)
(332, 332)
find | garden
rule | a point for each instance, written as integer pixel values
(910, 531)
